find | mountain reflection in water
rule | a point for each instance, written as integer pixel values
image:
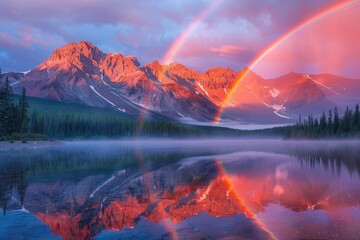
(187, 189)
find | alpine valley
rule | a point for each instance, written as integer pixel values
(81, 73)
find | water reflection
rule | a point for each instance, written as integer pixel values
(12, 178)
(81, 190)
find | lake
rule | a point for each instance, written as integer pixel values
(182, 189)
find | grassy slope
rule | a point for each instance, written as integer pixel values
(49, 106)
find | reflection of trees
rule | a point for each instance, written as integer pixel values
(81, 162)
(12, 177)
(331, 157)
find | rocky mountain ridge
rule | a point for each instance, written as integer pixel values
(81, 73)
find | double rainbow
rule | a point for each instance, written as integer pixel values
(179, 42)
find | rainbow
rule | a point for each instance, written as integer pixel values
(247, 211)
(180, 40)
(176, 46)
(302, 26)
(153, 197)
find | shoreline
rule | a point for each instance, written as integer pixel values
(18, 145)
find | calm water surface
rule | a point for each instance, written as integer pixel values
(194, 189)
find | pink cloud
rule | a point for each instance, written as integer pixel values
(329, 45)
(232, 35)
(227, 49)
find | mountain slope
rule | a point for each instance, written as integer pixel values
(81, 73)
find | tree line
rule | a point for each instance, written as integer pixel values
(18, 121)
(330, 125)
(78, 125)
(13, 116)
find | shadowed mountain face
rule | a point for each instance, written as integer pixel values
(79, 192)
(81, 73)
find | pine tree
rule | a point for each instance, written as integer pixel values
(330, 123)
(12, 125)
(5, 108)
(22, 115)
(335, 126)
(323, 124)
(13, 118)
(356, 117)
(336, 123)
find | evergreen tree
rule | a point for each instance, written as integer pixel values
(356, 117)
(336, 123)
(13, 118)
(6, 108)
(328, 126)
(22, 115)
(12, 125)
(330, 123)
(323, 125)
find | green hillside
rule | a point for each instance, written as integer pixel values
(47, 106)
(69, 121)
(58, 120)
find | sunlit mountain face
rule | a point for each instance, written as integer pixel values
(266, 190)
(81, 73)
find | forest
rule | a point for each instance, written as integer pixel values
(13, 117)
(24, 118)
(330, 125)
(34, 118)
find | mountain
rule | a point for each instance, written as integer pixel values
(81, 73)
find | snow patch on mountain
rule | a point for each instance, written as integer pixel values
(115, 94)
(14, 83)
(274, 92)
(92, 88)
(202, 88)
(105, 83)
(280, 115)
(102, 80)
(180, 114)
(278, 108)
(319, 83)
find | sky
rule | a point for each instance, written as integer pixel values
(200, 34)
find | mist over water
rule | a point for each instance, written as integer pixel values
(182, 189)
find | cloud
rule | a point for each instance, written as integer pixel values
(328, 45)
(227, 49)
(231, 35)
